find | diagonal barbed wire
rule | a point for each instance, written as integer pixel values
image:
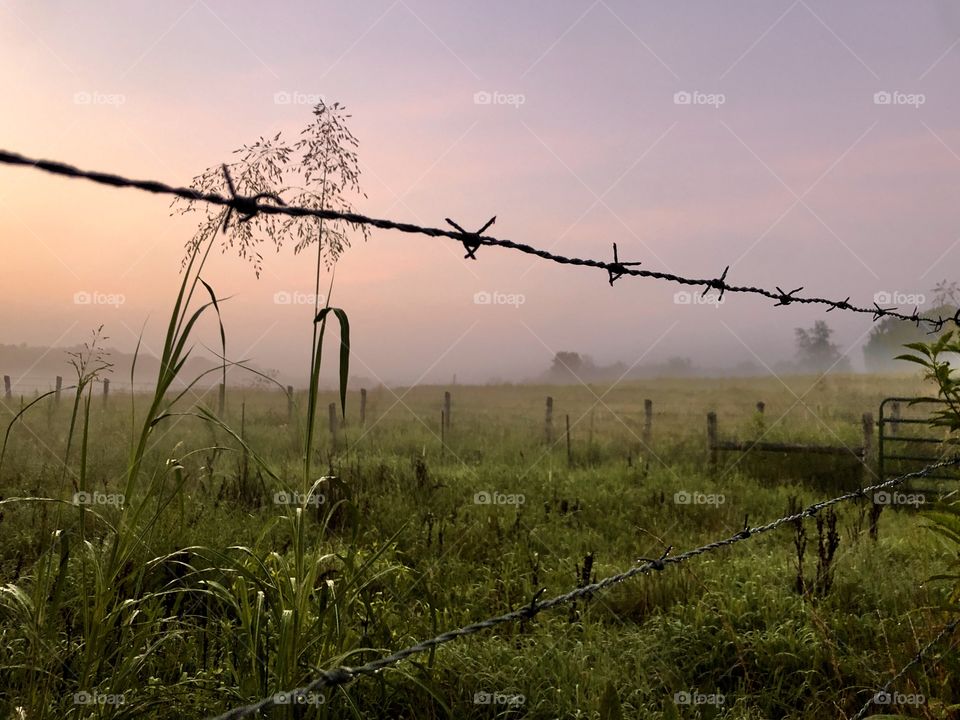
(343, 675)
(947, 630)
(248, 207)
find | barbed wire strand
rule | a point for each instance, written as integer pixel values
(947, 630)
(343, 675)
(248, 207)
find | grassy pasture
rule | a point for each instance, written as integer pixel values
(207, 588)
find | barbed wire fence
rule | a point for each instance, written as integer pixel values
(248, 207)
(343, 675)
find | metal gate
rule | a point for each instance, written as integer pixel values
(901, 442)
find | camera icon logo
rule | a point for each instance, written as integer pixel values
(482, 498)
(482, 298)
(482, 97)
(682, 98)
(882, 98)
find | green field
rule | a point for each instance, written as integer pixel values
(205, 589)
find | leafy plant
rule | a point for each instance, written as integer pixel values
(945, 517)
(930, 356)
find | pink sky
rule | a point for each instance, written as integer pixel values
(798, 178)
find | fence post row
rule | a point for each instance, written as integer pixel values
(647, 420)
(712, 437)
(867, 437)
(548, 420)
(446, 409)
(332, 412)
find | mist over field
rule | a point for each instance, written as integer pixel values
(803, 144)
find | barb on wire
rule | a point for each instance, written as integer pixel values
(618, 269)
(842, 305)
(788, 297)
(343, 675)
(248, 207)
(473, 244)
(471, 241)
(883, 696)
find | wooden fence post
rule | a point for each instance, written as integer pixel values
(647, 420)
(332, 412)
(363, 407)
(569, 450)
(712, 437)
(548, 420)
(289, 403)
(761, 405)
(7, 390)
(59, 388)
(446, 409)
(106, 389)
(895, 415)
(867, 437)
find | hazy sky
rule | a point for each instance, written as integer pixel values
(785, 164)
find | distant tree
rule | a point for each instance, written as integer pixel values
(888, 337)
(678, 365)
(815, 352)
(565, 363)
